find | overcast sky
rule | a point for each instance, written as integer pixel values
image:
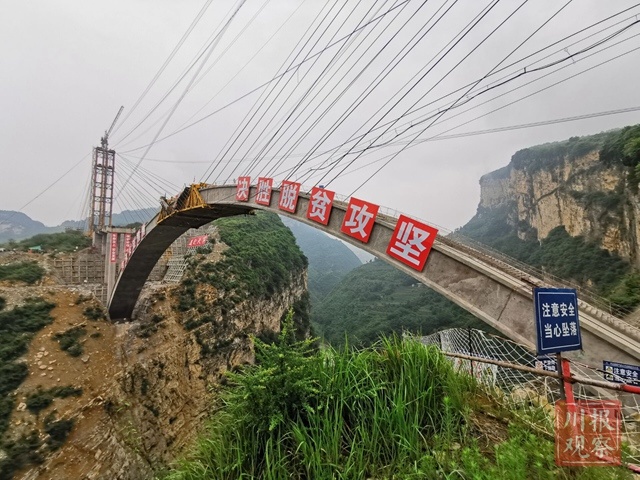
(67, 66)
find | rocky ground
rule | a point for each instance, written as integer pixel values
(146, 385)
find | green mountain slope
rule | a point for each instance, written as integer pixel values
(377, 299)
(329, 259)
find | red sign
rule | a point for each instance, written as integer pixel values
(198, 241)
(359, 219)
(588, 433)
(263, 197)
(127, 244)
(114, 248)
(320, 204)
(242, 192)
(289, 196)
(411, 242)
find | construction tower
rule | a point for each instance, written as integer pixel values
(102, 175)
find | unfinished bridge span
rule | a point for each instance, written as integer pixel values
(488, 287)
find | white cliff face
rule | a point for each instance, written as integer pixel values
(584, 195)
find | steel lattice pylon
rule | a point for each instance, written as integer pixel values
(102, 174)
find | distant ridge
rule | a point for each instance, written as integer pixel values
(18, 226)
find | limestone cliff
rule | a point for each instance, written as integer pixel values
(147, 385)
(576, 184)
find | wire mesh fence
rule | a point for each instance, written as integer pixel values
(528, 389)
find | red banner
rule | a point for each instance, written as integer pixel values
(588, 433)
(320, 204)
(242, 190)
(114, 248)
(198, 241)
(289, 196)
(359, 219)
(263, 196)
(411, 242)
(127, 244)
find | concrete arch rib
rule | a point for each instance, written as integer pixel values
(498, 297)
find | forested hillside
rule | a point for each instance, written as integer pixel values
(376, 299)
(329, 259)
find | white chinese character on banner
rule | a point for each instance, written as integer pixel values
(358, 220)
(571, 309)
(242, 193)
(264, 191)
(409, 243)
(319, 203)
(565, 329)
(548, 331)
(288, 196)
(546, 312)
(554, 310)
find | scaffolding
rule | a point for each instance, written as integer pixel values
(180, 253)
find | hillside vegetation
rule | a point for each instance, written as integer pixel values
(68, 241)
(329, 259)
(397, 410)
(377, 299)
(261, 261)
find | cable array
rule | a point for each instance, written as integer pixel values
(360, 80)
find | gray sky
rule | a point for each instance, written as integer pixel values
(67, 66)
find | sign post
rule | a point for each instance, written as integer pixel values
(587, 431)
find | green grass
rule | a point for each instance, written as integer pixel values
(396, 410)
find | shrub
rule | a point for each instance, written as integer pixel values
(41, 399)
(17, 326)
(28, 272)
(19, 453)
(94, 312)
(58, 431)
(69, 340)
(38, 401)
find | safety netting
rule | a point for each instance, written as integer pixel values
(535, 391)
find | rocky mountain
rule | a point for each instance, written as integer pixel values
(98, 400)
(18, 226)
(588, 185)
(570, 208)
